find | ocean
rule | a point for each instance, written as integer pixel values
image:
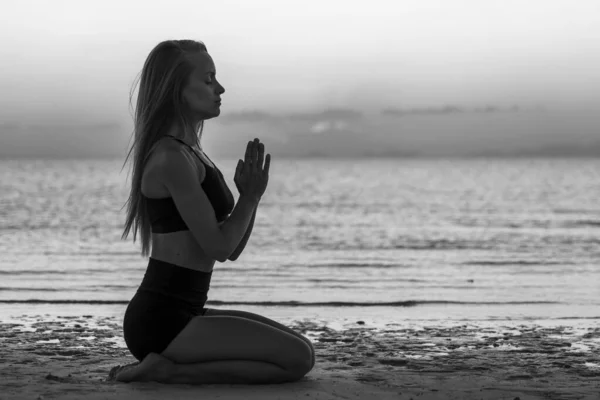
(379, 239)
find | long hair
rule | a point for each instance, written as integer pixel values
(160, 104)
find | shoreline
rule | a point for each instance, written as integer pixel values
(378, 315)
(70, 356)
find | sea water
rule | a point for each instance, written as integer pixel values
(386, 239)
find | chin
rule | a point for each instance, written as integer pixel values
(212, 114)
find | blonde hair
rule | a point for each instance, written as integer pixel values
(159, 104)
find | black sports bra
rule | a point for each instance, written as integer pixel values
(163, 214)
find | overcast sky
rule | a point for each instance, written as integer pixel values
(74, 62)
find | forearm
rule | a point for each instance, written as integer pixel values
(236, 226)
(244, 240)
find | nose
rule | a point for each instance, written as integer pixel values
(221, 89)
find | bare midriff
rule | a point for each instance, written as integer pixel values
(180, 248)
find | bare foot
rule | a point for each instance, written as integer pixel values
(112, 375)
(153, 367)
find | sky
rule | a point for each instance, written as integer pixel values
(68, 68)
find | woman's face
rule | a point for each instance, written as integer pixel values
(203, 93)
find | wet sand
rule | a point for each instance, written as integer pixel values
(69, 357)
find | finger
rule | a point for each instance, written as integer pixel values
(238, 169)
(249, 151)
(261, 156)
(267, 165)
(254, 157)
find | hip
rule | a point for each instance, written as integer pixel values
(149, 302)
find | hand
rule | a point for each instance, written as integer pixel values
(251, 178)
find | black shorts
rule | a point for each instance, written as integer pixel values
(153, 320)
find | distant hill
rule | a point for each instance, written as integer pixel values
(62, 141)
(336, 133)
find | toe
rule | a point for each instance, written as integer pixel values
(126, 373)
(120, 372)
(113, 373)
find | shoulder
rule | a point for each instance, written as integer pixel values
(170, 158)
(162, 150)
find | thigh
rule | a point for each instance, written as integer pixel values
(259, 318)
(215, 338)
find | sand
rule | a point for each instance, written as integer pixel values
(70, 357)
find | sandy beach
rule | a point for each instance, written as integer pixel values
(69, 357)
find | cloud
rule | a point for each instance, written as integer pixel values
(450, 109)
(247, 116)
(340, 114)
(325, 126)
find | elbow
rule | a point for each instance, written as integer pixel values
(217, 255)
(222, 256)
(232, 256)
(221, 259)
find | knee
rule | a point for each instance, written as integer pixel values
(299, 370)
(312, 354)
(303, 365)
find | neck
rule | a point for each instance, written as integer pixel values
(188, 136)
(192, 142)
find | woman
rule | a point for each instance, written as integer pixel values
(182, 206)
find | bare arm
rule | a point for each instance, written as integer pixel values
(238, 226)
(242, 244)
(180, 176)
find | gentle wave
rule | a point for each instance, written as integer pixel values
(78, 253)
(51, 271)
(516, 262)
(349, 265)
(407, 303)
(581, 223)
(440, 244)
(576, 211)
(71, 289)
